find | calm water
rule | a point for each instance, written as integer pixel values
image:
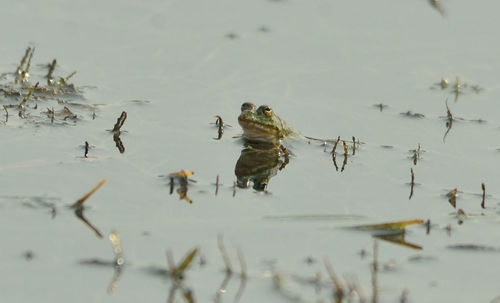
(172, 66)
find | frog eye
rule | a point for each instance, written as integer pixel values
(247, 106)
(267, 111)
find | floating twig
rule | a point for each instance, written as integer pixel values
(19, 70)
(119, 122)
(220, 123)
(449, 120)
(353, 145)
(28, 64)
(416, 155)
(483, 202)
(345, 148)
(428, 226)
(52, 66)
(64, 81)
(216, 185)
(80, 201)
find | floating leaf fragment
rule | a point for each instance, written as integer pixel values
(452, 197)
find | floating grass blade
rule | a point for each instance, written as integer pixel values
(389, 226)
(179, 270)
(23, 60)
(28, 95)
(52, 66)
(80, 201)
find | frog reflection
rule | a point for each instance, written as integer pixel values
(258, 163)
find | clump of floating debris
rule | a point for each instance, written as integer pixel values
(458, 87)
(29, 86)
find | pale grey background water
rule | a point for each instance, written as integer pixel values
(321, 66)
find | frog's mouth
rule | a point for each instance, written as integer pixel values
(256, 131)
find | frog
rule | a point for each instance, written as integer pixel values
(262, 125)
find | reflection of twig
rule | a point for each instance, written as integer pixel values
(404, 296)
(437, 6)
(353, 145)
(119, 260)
(222, 287)
(225, 256)
(216, 185)
(344, 163)
(449, 122)
(118, 142)
(86, 150)
(483, 202)
(412, 184)
(339, 291)
(171, 293)
(79, 215)
(116, 279)
(374, 272)
(6, 113)
(354, 288)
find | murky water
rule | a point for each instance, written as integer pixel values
(322, 66)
